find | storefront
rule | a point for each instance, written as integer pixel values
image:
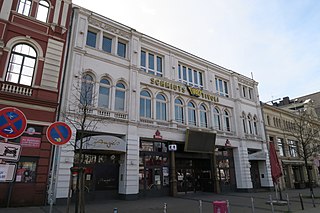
(102, 155)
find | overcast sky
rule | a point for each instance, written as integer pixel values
(278, 41)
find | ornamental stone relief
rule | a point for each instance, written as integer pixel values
(108, 28)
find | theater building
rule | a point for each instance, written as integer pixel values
(150, 98)
(33, 36)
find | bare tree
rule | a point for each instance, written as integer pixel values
(305, 130)
(79, 114)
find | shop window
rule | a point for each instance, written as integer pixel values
(26, 172)
(21, 65)
(43, 11)
(24, 7)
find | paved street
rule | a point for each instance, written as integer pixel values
(189, 203)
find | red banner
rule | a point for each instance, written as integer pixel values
(274, 162)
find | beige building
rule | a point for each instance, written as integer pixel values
(279, 120)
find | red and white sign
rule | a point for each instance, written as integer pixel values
(30, 142)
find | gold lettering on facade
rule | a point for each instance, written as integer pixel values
(108, 143)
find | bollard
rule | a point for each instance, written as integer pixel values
(228, 207)
(165, 208)
(252, 204)
(115, 210)
(314, 204)
(301, 201)
(288, 203)
(200, 206)
(271, 204)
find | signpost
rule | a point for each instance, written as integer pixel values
(59, 133)
(10, 151)
(12, 122)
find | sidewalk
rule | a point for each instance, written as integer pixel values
(189, 203)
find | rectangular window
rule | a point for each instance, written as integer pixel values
(143, 61)
(121, 49)
(246, 92)
(293, 148)
(24, 7)
(190, 76)
(91, 39)
(106, 44)
(222, 87)
(151, 63)
(281, 147)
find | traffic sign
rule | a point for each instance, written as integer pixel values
(7, 172)
(10, 151)
(13, 122)
(59, 133)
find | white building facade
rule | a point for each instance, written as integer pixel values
(148, 95)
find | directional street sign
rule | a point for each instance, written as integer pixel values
(59, 133)
(12, 122)
(10, 151)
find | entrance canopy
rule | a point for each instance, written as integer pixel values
(200, 141)
(105, 142)
(260, 155)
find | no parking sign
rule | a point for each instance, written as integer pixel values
(59, 133)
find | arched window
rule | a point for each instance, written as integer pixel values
(250, 124)
(216, 119)
(178, 110)
(161, 107)
(192, 114)
(43, 11)
(22, 64)
(120, 97)
(104, 93)
(244, 123)
(203, 116)
(86, 90)
(226, 121)
(24, 7)
(255, 125)
(145, 104)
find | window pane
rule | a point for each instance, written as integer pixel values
(179, 71)
(27, 71)
(200, 79)
(43, 11)
(91, 39)
(121, 49)
(106, 44)
(159, 64)
(119, 105)
(184, 70)
(190, 75)
(24, 7)
(25, 80)
(151, 61)
(148, 108)
(195, 77)
(103, 97)
(143, 59)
